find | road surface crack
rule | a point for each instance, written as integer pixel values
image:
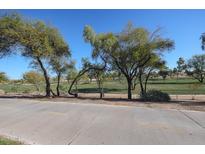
(192, 119)
(82, 129)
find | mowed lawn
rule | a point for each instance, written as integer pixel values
(171, 86)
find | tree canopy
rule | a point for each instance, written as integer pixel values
(196, 67)
(128, 50)
(34, 39)
(3, 77)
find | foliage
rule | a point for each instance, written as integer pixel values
(60, 65)
(60, 58)
(99, 75)
(128, 50)
(71, 74)
(10, 27)
(202, 41)
(3, 77)
(34, 78)
(155, 96)
(34, 39)
(181, 65)
(85, 79)
(86, 67)
(164, 73)
(154, 64)
(196, 67)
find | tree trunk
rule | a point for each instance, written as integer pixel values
(75, 82)
(134, 83)
(129, 89)
(58, 84)
(82, 72)
(147, 78)
(141, 84)
(76, 86)
(101, 95)
(100, 88)
(48, 85)
(102, 92)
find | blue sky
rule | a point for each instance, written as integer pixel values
(183, 26)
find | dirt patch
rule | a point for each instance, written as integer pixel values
(183, 104)
(179, 102)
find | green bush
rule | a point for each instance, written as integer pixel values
(13, 89)
(155, 96)
(26, 91)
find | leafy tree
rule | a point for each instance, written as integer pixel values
(10, 25)
(51, 49)
(3, 77)
(114, 75)
(60, 61)
(181, 65)
(71, 75)
(128, 50)
(196, 67)
(87, 66)
(202, 41)
(34, 78)
(174, 71)
(164, 73)
(36, 40)
(90, 76)
(154, 64)
(32, 36)
(99, 75)
(85, 79)
(60, 67)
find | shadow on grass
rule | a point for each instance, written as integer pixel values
(167, 82)
(96, 90)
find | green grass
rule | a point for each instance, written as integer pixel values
(171, 86)
(6, 141)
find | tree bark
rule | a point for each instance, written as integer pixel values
(100, 88)
(129, 89)
(141, 83)
(134, 83)
(58, 84)
(102, 93)
(75, 81)
(82, 72)
(147, 78)
(48, 85)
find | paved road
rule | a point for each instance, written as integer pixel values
(37, 122)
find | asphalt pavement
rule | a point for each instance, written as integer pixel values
(44, 122)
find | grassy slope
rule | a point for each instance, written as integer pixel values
(171, 86)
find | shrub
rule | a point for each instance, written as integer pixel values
(13, 89)
(26, 91)
(155, 96)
